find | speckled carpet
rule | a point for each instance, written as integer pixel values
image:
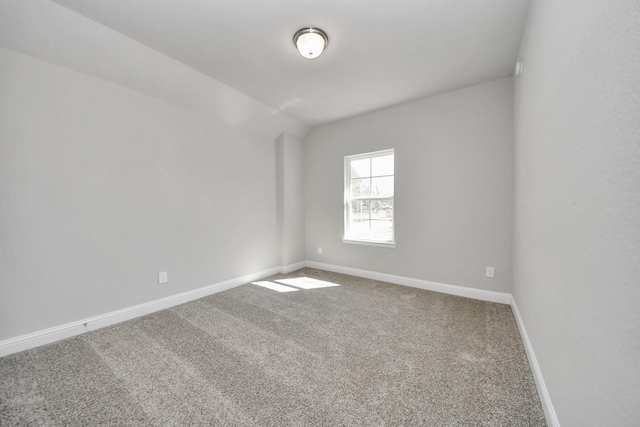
(358, 354)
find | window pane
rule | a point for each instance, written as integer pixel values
(360, 219)
(381, 209)
(376, 230)
(382, 165)
(360, 168)
(360, 187)
(382, 187)
(371, 220)
(360, 210)
(381, 230)
(359, 229)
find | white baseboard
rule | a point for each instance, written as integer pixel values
(286, 269)
(547, 406)
(479, 294)
(47, 336)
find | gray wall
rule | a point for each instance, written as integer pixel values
(107, 179)
(454, 185)
(290, 199)
(577, 222)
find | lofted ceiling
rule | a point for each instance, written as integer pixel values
(380, 53)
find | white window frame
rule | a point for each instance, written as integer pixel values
(348, 200)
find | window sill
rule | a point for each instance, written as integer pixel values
(370, 243)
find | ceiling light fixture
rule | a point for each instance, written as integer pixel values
(310, 42)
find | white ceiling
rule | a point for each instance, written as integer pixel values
(380, 53)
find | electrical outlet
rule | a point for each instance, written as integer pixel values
(490, 272)
(319, 250)
(162, 277)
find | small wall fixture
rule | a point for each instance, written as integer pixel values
(518, 69)
(310, 42)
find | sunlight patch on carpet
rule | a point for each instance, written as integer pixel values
(307, 283)
(275, 286)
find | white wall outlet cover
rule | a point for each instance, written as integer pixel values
(490, 272)
(518, 69)
(319, 250)
(162, 277)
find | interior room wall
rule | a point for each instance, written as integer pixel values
(290, 199)
(577, 206)
(103, 188)
(107, 179)
(453, 187)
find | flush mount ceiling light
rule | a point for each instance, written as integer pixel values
(310, 42)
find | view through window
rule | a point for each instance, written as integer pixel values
(369, 183)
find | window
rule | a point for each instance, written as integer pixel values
(368, 198)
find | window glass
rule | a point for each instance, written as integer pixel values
(369, 207)
(382, 165)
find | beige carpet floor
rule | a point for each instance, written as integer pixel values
(338, 351)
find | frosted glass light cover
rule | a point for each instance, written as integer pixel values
(310, 45)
